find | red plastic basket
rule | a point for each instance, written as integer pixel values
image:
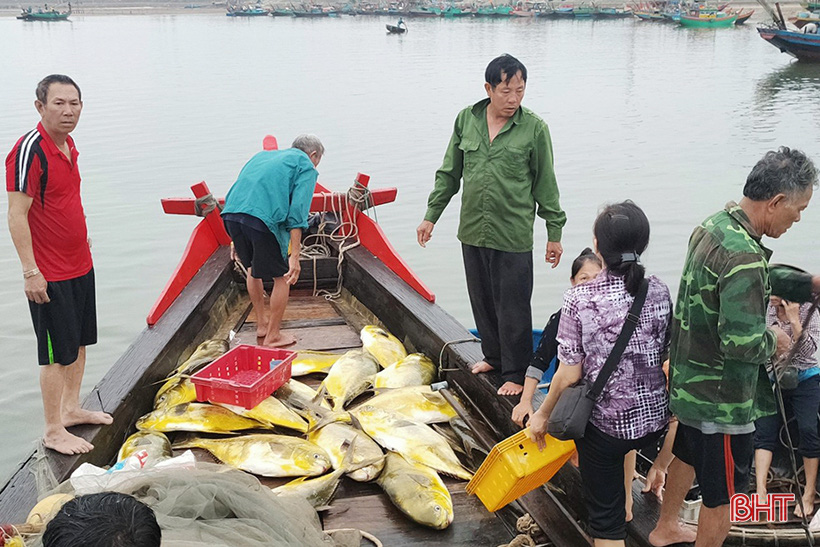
(244, 376)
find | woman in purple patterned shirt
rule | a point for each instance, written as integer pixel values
(632, 411)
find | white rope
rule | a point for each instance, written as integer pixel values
(345, 235)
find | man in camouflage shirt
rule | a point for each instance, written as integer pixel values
(720, 343)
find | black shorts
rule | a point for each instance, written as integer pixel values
(722, 462)
(66, 323)
(257, 250)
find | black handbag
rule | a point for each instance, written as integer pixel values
(571, 414)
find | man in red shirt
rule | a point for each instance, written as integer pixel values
(47, 226)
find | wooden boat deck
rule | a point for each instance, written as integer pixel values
(321, 325)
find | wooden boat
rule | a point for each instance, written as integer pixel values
(204, 299)
(452, 12)
(612, 13)
(805, 17)
(247, 11)
(650, 15)
(583, 12)
(395, 29)
(44, 14)
(708, 18)
(743, 16)
(802, 46)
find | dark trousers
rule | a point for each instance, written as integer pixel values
(601, 463)
(804, 401)
(500, 288)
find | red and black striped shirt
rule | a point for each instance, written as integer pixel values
(59, 237)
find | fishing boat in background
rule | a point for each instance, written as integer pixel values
(584, 11)
(743, 16)
(706, 17)
(803, 18)
(398, 28)
(798, 44)
(44, 14)
(612, 13)
(802, 44)
(247, 11)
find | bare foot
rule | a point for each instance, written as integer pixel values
(510, 388)
(279, 341)
(808, 503)
(661, 537)
(481, 366)
(83, 416)
(64, 442)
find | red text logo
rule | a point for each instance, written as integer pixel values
(745, 508)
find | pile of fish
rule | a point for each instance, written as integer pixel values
(315, 435)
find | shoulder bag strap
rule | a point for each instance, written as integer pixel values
(614, 358)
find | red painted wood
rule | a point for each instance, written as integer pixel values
(201, 246)
(374, 240)
(321, 201)
(210, 234)
(206, 238)
(213, 219)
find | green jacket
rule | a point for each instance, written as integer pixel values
(720, 341)
(503, 181)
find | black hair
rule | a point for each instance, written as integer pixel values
(107, 519)
(504, 66)
(45, 84)
(587, 255)
(782, 171)
(623, 228)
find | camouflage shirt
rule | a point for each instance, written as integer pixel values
(720, 341)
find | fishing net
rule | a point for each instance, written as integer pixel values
(215, 506)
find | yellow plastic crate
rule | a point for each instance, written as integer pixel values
(515, 466)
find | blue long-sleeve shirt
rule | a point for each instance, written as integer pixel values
(275, 186)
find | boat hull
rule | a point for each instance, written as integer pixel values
(711, 22)
(805, 47)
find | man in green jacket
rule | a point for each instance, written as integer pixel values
(503, 152)
(718, 383)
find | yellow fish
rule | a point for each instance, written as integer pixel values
(310, 362)
(266, 454)
(350, 377)
(206, 352)
(414, 370)
(176, 391)
(415, 441)
(335, 436)
(196, 417)
(271, 412)
(320, 490)
(416, 403)
(417, 491)
(156, 443)
(382, 345)
(299, 396)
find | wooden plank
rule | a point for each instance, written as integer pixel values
(126, 391)
(472, 524)
(428, 327)
(302, 307)
(321, 338)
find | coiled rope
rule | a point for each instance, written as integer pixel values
(344, 208)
